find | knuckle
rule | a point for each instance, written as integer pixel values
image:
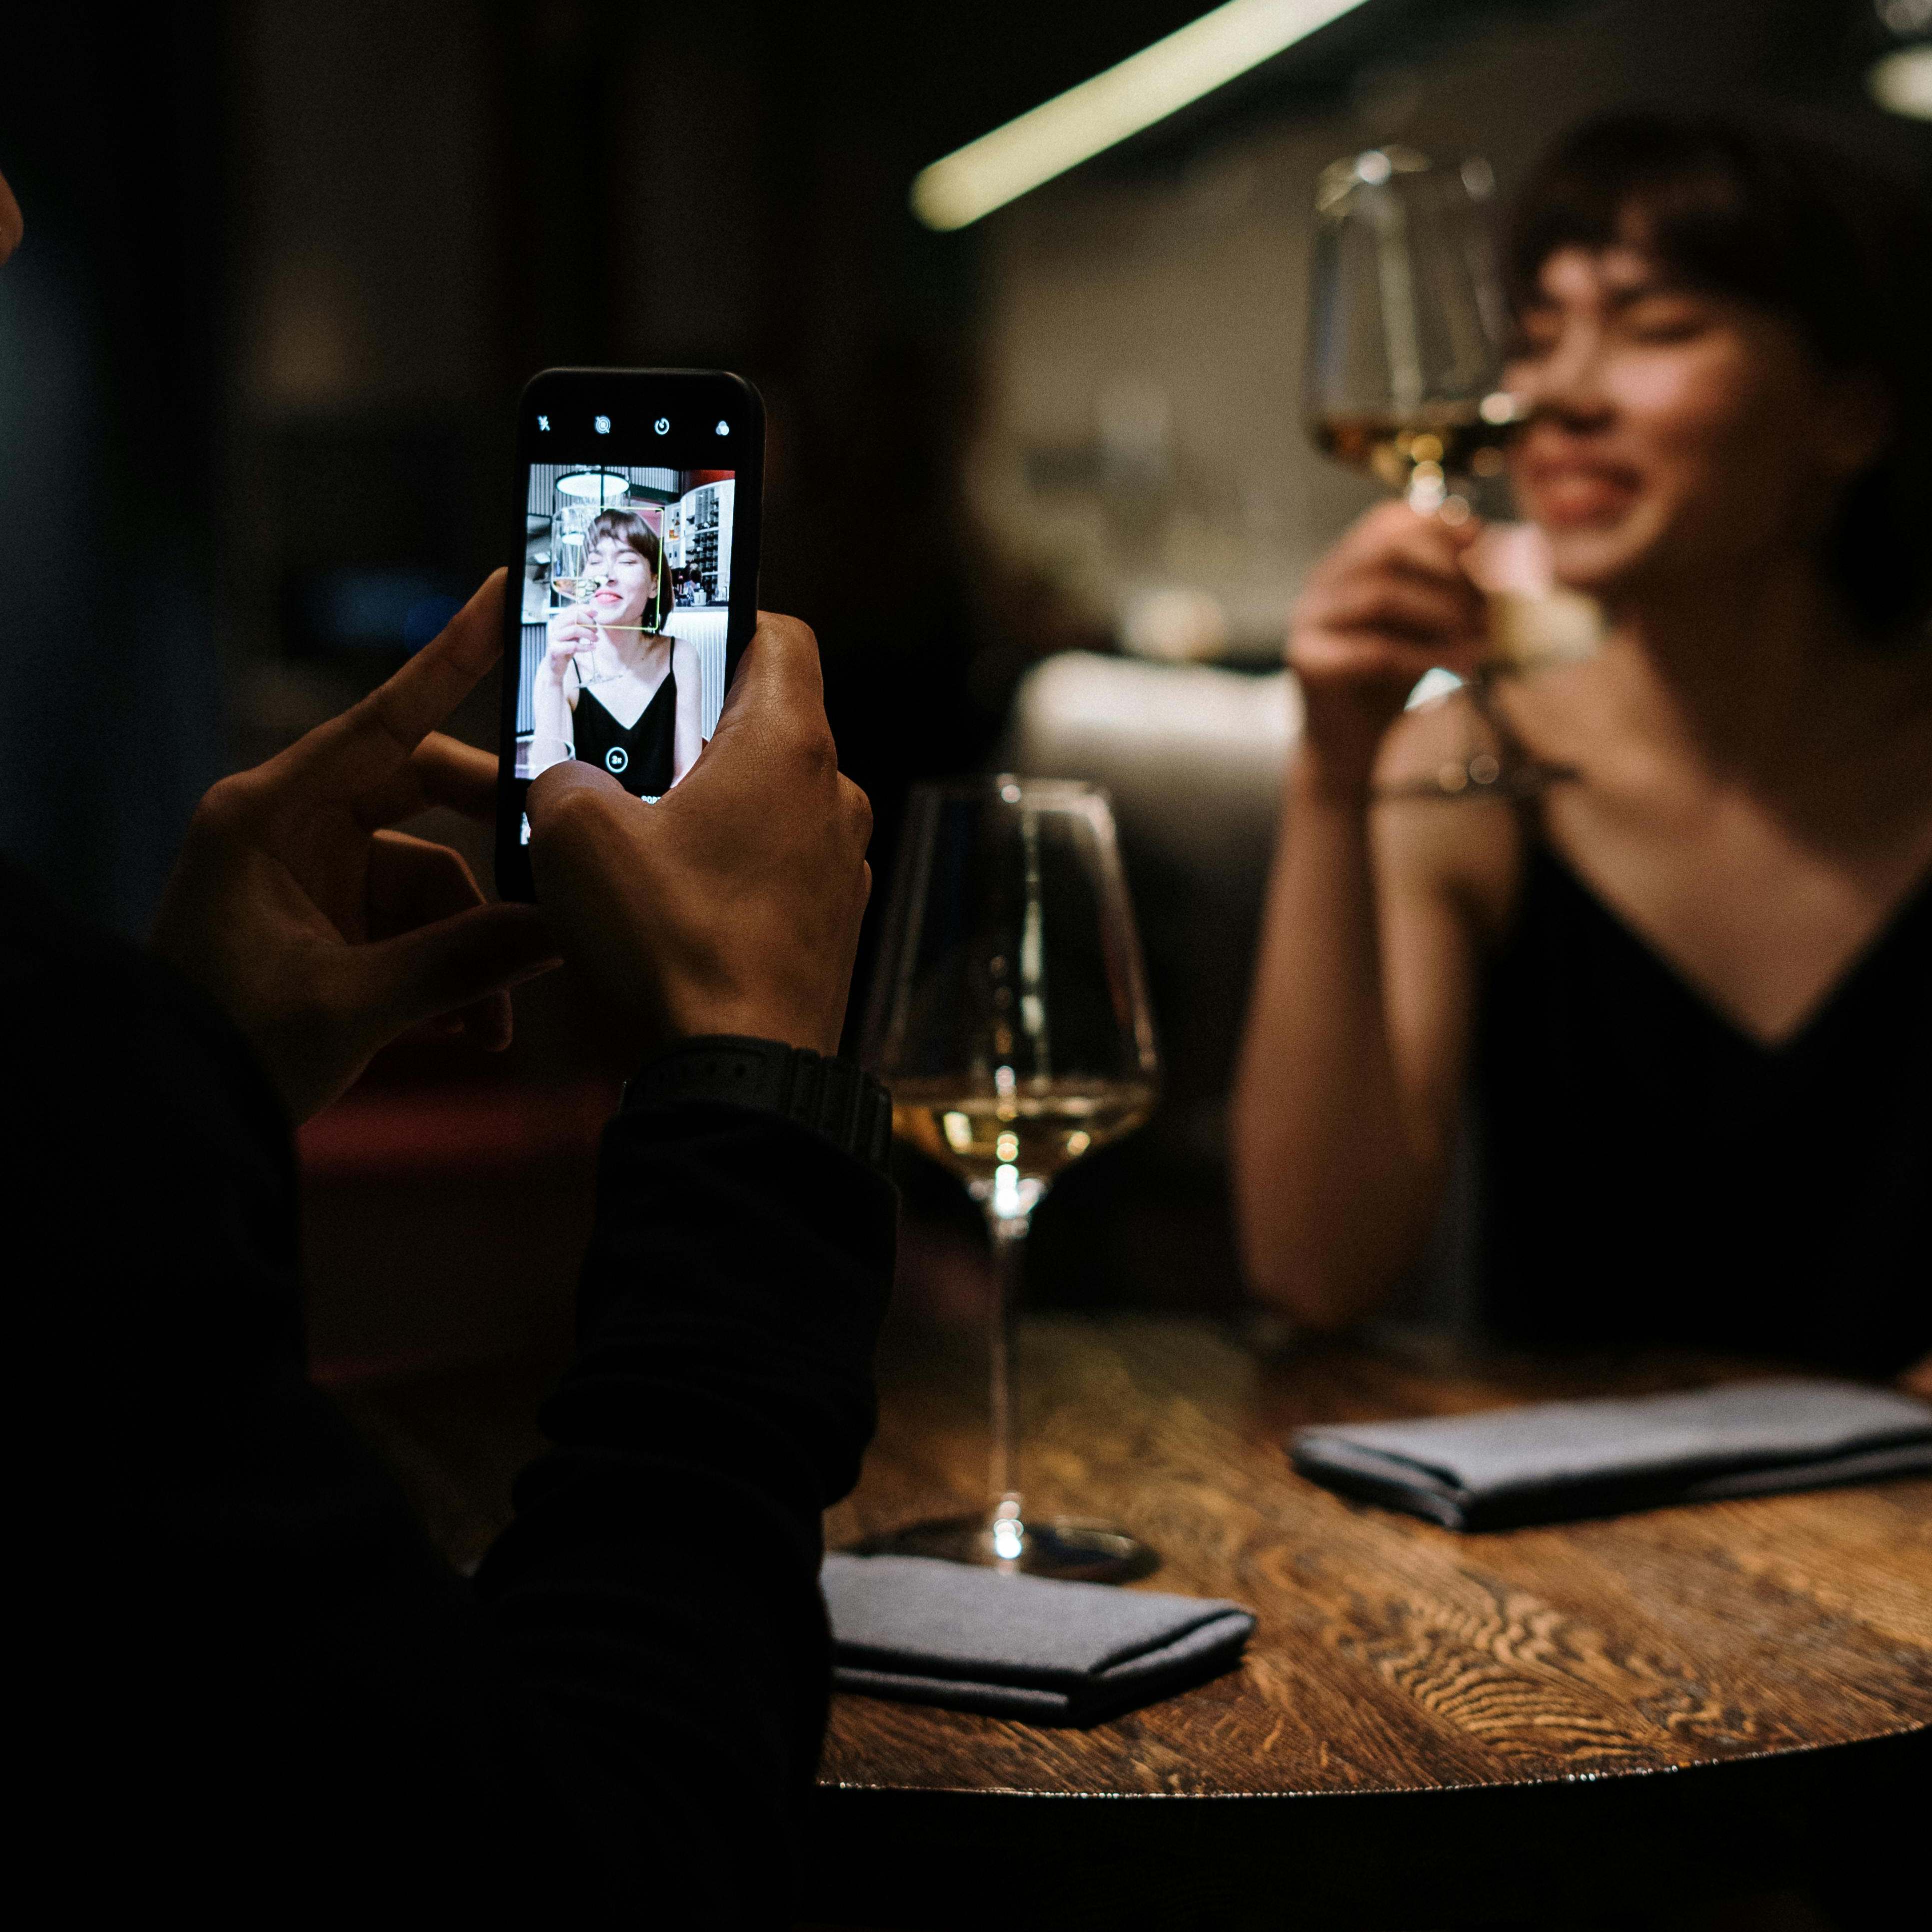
(858, 808)
(794, 630)
(228, 802)
(817, 752)
(568, 814)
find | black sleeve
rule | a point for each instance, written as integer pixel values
(262, 1684)
(658, 1591)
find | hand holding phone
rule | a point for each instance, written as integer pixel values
(323, 936)
(733, 907)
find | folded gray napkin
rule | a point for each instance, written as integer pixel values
(1558, 1460)
(1053, 1653)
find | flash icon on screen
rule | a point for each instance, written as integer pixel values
(543, 423)
(601, 424)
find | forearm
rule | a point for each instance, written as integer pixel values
(1334, 1184)
(659, 1585)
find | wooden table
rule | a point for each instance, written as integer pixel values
(1428, 1728)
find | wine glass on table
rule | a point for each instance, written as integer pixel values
(1408, 326)
(1010, 1019)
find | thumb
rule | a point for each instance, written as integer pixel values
(451, 963)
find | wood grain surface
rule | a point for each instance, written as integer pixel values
(1537, 1681)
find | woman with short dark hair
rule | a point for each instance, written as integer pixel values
(615, 687)
(1690, 987)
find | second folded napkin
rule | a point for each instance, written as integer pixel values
(1553, 1461)
(1052, 1652)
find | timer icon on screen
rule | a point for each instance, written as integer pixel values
(662, 424)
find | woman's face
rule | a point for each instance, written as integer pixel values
(628, 584)
(1675, 437)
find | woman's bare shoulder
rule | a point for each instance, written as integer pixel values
(1467, 851)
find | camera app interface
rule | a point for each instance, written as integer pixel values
(626, 598)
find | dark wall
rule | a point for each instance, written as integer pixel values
(112, 346)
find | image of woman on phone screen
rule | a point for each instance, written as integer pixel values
(615, 688)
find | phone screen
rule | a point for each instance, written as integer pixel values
(638, 502)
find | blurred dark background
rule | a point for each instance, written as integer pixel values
(287, 267)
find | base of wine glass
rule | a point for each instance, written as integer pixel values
(1072, 1547)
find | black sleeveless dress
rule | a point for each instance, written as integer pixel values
(1651, 1176)
(637, 756)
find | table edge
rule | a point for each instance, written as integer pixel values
(1797, 1756)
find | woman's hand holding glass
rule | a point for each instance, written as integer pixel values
(573, 632)
(1391, 600)
(573, 638)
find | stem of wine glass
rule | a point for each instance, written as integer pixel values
(1009, 1233)
(1426, 492)
(1481, 685)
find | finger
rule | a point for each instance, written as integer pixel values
(1396, 535)
(1400, 606)
(441, 770)
(426, 883)
(371, 740)
(858, 808)
(556, 788)
(775, 710)
(1336, 658)
(412, 881)
(1397, 521)
(488, 1022)
(778, 673)
(447, 965)
(434, 1033)
(576, 809)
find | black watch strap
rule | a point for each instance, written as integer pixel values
(833, 1097)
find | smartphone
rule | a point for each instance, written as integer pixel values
(633, 580)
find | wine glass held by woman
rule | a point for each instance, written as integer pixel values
(611, 637)
(1691, 989)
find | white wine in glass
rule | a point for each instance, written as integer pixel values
(1418, 452)
(1009, 1017)
(977, 1134)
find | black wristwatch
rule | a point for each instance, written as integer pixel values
(833, 1097)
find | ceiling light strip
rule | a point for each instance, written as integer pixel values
(1145, 87)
